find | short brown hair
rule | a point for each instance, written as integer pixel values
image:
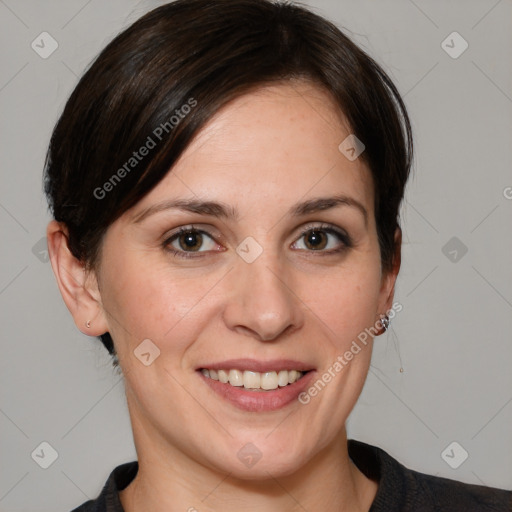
(209, 52)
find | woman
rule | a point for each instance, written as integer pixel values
(225, 181)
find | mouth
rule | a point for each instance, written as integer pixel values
(254, 381)
(257, 386)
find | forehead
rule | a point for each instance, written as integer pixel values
(275, 145)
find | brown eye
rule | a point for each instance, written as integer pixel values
(191, 240)
(323, 239)
(188, 241)
(316, 240)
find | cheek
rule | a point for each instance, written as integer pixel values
(346, 302)
(148, 301)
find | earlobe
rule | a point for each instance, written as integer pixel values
(78, 288)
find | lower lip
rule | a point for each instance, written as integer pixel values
(259, 401)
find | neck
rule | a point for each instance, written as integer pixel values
(169, 480)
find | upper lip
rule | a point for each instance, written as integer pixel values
(255, 365)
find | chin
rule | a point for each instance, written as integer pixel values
(264, 469)
(261, 458)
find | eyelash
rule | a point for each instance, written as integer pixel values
(326, 228)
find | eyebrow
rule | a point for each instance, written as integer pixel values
(222, 210)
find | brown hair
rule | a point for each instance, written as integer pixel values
(166, 75)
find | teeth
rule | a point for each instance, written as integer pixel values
(269, 380)
(254, 380)
(282, 378)
(293, 375)
(236, 378)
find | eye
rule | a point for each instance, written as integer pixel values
(324, 238)
(189, 240)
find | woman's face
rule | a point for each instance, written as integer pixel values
(282, 273)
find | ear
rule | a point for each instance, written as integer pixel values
(78, 288)
(387, 291)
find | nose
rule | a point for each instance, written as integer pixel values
(261, 301)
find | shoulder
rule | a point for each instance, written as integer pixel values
(445, 494)
(404, 489)
(108, 500)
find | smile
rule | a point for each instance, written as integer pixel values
(254, 381)
(255, 385)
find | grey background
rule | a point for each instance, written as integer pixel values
(453, 337)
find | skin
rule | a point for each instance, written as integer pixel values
(260, 154)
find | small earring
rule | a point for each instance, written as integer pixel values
(88, 324)
(385, 321)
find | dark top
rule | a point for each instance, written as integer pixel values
(400, 489)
